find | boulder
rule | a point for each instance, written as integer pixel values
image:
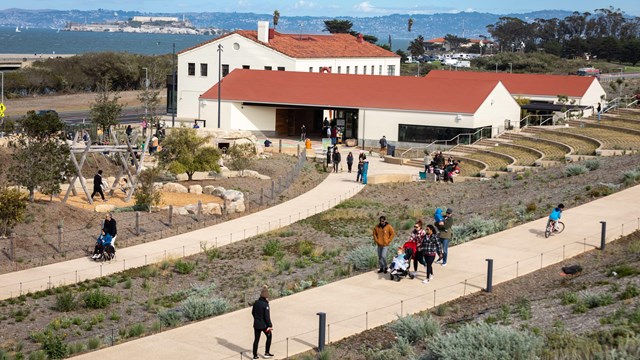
(182, 177)
(105, 208)
(191, 208)
(180, 211)
(157, 186)
(218, 191)
(208, 189)
(235, 207)
(233, 195)
(211, 209)
(195, 189)
(174, 187)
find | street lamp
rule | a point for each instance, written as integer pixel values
(510, 68)
(174, 102)
(146, 95)
(219, 79)
(496, 67)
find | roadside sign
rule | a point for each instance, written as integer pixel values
(2, 109)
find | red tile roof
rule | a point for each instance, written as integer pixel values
(313, 46)
(525, 84)
(353, 91)
(439, 40)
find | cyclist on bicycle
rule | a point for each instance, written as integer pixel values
(556, 214)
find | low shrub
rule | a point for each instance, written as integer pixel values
(631, 177)
(198, 308)
(184, 267)
(169, 318)
(54, 346)
(592, 164)
(475, 228)
(135, 330)
(65, 301)
(569, 297)
(94, 343)
(363, 257)
(484, 341)
(623, 270)
(629, 292)
(271, 247)
(97, 299)
(415, 328)
(305, 247)
(575, 170)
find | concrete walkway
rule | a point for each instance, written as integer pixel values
(370, 300)
(334, 189)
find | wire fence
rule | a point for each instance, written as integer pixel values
(143, 227)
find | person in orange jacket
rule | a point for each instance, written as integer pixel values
(383, 234)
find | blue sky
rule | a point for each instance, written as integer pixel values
(329, 7)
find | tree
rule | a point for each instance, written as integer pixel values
(336, 26)
(403, 55)
(106, 109)
(150, 95)
(183, 151)
(416, 47)
(370, 38)
(276, 18)
(409, 24)
(455, 41)
(41, 160)
(147, 195)
(12, 209)
(241, 156)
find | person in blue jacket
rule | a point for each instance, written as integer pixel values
(103, 240)
(556, 214)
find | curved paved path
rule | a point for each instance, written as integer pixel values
(370, 300)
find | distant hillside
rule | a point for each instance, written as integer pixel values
(469, 24)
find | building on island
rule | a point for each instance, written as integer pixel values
(267, 49)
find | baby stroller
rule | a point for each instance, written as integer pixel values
(400, 265)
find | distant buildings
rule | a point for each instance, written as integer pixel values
(267, 49)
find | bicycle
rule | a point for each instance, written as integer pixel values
(559, 227)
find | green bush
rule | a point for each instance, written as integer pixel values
(169, 318)
(415, 328)
(93, 343)
(38, 355)
(271, 247)
(184, 267)
(629, 292)
(569, 297)
(483, 341)
(198, 307)
(592, 164)
(97, 299)
(363, 257)
(475, 228)
(135, 330)
(305, 247)
(623, 270)
(575, 170)
(65, 301)
(54, 346)
(631, 177)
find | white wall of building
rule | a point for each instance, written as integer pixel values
(593, 95)
(498, 107)
(361, 66)
(236, 116)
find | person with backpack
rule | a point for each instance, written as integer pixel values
(445, 234)
(383, 146)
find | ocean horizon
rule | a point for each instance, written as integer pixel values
(52, 41)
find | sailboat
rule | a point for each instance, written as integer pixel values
(17, 29)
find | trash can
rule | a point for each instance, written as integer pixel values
(423, 175)
(391, 150)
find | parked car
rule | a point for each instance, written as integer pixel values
(45, 112)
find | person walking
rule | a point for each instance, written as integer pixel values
(336, 158)
(416, 237)
(599, 109)
(360, 169)
(303, 133)
(430, 247)
(383, 146)
(446, 234)
(97, 186)
(349, 161)
(329, 152)
(383, 234)
(262, 323)
(129, 131)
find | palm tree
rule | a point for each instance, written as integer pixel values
(409, 24)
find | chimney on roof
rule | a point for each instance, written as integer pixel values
(263, 31)
(272, 33)
(360, 38)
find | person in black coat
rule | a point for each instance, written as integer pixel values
(109, 226)
(262, 323)
(97, 185)
(349, 161)
(336, 158)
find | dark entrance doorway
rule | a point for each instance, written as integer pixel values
(290, 121)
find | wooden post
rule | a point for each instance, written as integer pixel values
(60, 236)
(273, 189)
(298, 151)
(199, 211)
(137, 223)
(13, 250)
(170, 215)
(261, 196)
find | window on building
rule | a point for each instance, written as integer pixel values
(192, 69)
(380, 70)
(364, 70)
(203, 69)
(373, 69)
(246, 66)
(347, 69)
(355, 69)
(391, 70)
(268, 68)
(225, 70)
(310, 68)
(280, 68)
(429, 134)
(339, 69)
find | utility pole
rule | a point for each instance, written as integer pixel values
(174, 96)
(219, 79)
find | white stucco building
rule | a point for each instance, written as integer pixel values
(266, 49)
(404, 109)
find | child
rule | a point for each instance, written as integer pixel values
(124, 184)
(437, 217)
(400, 262)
